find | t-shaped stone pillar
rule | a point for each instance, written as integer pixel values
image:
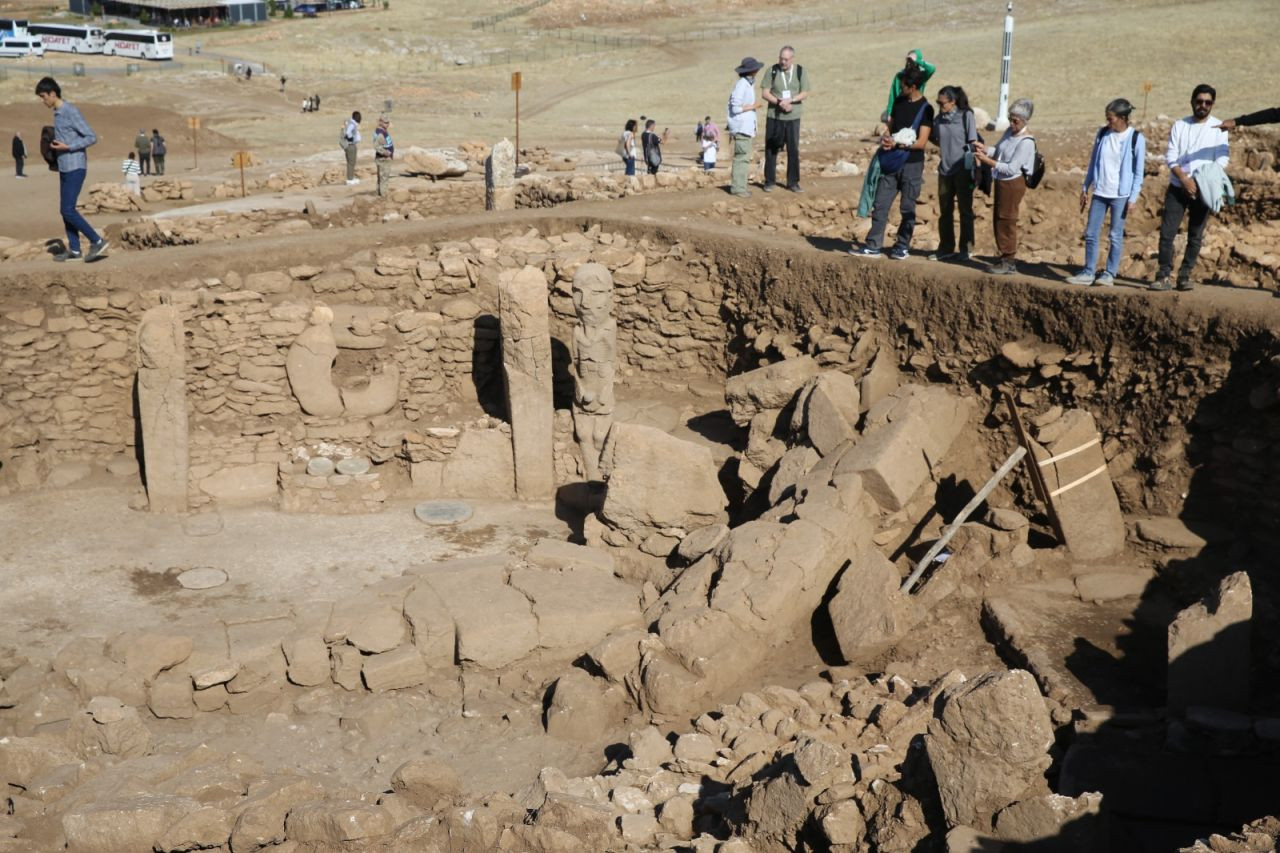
(526, 365)
(162, 408)
(595, 351)
(500, 177)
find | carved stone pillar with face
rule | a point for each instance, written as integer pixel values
(595, 350)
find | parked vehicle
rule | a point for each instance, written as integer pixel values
(140, 44)
(13, 47)
(69, 38)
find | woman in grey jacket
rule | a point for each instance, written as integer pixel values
(1015, 158)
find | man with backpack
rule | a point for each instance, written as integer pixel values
(72, 136)
(158, 150)
(901, 158)
(350, 141)
(784, 88)
(1195, 143)
(142, 142)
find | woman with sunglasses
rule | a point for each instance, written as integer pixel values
(1014, 158)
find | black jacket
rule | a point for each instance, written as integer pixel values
(19, 147)
(1270, 116)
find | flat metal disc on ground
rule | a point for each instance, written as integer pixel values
(202, 577)
(443, 512)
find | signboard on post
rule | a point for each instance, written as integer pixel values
(516, 80)
(193, 122)
(240, 159)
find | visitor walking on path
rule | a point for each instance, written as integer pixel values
(1014, 158)
(71, 137)
(784, 87)
(1195, 143)
(142, 142)
(1115, 177)
(741, 123)
(19, 155)
(901, 158)
(955, 131)
(627, 147)
(131, 169)
(350, 145)
(915, 59)
(383, 152)
(710, 145)
(1268, 116)
(158, 150)
(651, 143)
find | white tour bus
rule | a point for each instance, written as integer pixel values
(25, 45)
(12, 27)
(142, 44)
(69, 38)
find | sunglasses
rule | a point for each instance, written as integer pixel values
(1202, 102)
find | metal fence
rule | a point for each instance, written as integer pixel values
(490, 20)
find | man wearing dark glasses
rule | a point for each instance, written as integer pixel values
(1194, 142)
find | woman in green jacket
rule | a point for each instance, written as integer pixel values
(915, 57)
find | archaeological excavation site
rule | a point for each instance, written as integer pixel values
(589, 528)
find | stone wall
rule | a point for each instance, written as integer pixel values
(426, 312)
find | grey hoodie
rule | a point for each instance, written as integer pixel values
(951, 130)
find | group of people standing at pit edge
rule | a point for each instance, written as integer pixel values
(1196, 155)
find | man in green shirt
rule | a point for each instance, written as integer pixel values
(784, 88)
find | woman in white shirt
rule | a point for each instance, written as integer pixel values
(1115, 176)
(627, 146)
(1015, 158)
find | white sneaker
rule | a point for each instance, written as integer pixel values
(352, 182)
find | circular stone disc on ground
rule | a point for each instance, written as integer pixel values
(354, 465)
(443, 512)
(204, 577)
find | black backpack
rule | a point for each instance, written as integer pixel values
(1037, 169)
(46, 151)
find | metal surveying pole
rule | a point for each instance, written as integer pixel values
(1001, 117)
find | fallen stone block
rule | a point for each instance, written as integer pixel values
(1209, 649)
(867, 612)
(394, 670)
(557, 554)
(830, 409)
(988, 745)
(655, 480)
(576, 609)
(769, 387)
(582, 708)
(1056, 824)
(426, 782)
(337, 822)
(1086, 503)
(123, 825)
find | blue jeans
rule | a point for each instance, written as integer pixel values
(631, 164)
(1098, 208)
(69, 185)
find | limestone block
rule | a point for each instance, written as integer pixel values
(526, 362)
(346, 662)
(378, 628)
(792, 466)
(582, 708)
(1209, 656)
(24, 758)
(425, 782)
(499, 177)
(618, 654)
(988, 745)
(880, 380)
(658, 481)
(1090, 511)
(109, 727)
(307, 657)
(495, 623)
(482, 466)
(830, 410)
(334, 822)
(148, 654)
(207, 827)
(433, 627)
(394, 670)
(243, 484)
(170, 696)
(1055, 823)
(907, 434)
(590, 823)
(124, 825)
(577, 608)
(272, 281)
(261, 822)
(702, 541)
(770, 387)
(558, 554)
(867, 610)
(765, 438)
